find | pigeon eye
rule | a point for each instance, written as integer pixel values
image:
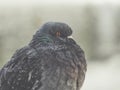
(58, 34)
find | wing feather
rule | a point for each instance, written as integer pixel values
(17, 73)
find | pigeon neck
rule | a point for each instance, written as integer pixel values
(40, 39)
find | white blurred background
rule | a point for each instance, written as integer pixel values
(95, 25)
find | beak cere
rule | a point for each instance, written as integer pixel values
(70, 37)
(58, 34)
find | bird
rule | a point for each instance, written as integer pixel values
(51, 61)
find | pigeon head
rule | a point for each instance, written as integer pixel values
(56, 29)
(52, 32)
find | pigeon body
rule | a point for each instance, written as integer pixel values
(51, 61)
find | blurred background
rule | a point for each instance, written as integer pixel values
(96, 28)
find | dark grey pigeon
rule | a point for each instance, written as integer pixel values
(51, 61)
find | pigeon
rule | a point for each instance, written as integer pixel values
(51, 61)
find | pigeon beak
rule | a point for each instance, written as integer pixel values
(70, 37)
